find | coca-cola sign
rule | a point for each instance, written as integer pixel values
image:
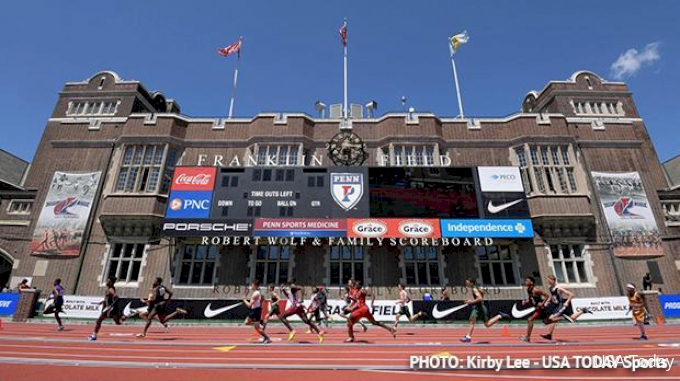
(194, 179)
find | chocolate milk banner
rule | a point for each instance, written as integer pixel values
(64, 216)
(628, 213)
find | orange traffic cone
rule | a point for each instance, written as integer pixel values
(659, 320)
(506, 331)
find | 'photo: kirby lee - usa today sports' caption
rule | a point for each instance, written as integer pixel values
(478, 362)
(339, 190)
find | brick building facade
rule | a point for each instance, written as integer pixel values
(135, 138)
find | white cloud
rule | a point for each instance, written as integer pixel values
(630, 62)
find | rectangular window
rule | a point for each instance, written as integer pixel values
(272, 263)
(421, 265)
(346, 262)
(125, 261)
(552, 169)
(497, 265)
(19, 207)
(198, 265)
(410, 155)
(281, 155)
(140, 169)
(569, 263)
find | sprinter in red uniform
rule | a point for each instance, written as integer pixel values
(361, 310)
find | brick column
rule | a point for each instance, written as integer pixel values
(26, 308)
(654, 305)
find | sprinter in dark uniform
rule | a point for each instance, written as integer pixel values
(318, 306)
(57, 307)
(110, 308)
(274, 309)
(537, 298)
(559, 307)
(157, 304)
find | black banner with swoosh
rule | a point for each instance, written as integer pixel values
(216, 309)
(449, 310)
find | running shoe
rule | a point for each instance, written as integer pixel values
(504, 315)
(308, 331)
(569, 319)
(547, 336)
(291, 336)
(349, 340)
(140, 335)
(525, 339)
(266, 341)
(60, 328)
(465, 339)
(321, 338)
(182, 311)
(365, 328)
(643, 337)
(92, 337)
(167, 328)
(586, 310)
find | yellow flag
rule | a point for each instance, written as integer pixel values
(458, 40)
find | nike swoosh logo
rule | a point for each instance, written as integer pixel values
(498, 208)
(209, 312)
(127, 309)
(440, 314)
(518, 314)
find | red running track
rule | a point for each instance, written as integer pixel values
(37, 351)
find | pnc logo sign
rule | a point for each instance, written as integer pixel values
(187, 204)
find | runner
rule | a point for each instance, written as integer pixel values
(479, 310)
(56, 307)
(297, 307)
(111, 308)
(560, 308)
(319, 304)
(638, 305)
(361, 311)
(537, 298)
(255, 315)
(158, 307)
(404, 300)
(350, 303)
(274, 309)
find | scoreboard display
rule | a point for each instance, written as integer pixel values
(322, 201)
(278, 192)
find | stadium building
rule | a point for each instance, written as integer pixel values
(124, 184)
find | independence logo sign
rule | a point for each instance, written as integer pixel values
(487, 228)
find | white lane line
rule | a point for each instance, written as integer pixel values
(457, 374)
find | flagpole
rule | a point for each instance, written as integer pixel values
(345, 113)
(455, 78)
(233, 89)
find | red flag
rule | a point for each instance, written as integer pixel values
(343, 33)
(233, 48)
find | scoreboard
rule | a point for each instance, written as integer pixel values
(322, 200)
(273, 192)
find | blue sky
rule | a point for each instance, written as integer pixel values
(292, 55)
